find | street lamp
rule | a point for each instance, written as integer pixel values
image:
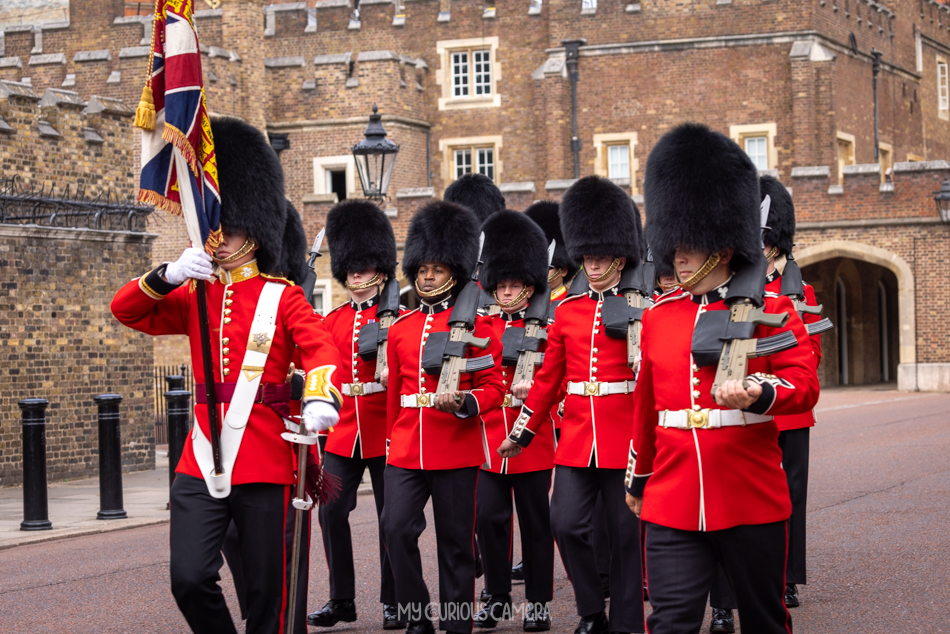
(942, 198)
(375, 157)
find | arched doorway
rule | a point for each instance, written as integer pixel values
(864, 291)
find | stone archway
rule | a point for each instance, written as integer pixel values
(859, 252)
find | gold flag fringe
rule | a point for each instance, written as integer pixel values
(155, 199)
(177, 138)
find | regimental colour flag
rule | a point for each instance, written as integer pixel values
(179, 170)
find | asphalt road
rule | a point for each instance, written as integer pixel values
(878, 542)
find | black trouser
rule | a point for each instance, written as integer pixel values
(599, 538)
(493, 523)
(453, 509)
(334, 520)
(572, 505)
(232, 554)
(682, 564)
(794, 444)
(198, 525)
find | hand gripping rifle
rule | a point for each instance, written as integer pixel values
(302, 502)
(444, 352)
(520, 346)
(372, 342)
(623, 316)
(725, 338)
(794, 289)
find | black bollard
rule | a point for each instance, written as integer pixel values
(178, 409)
(175, 381)
(110, 458)
(35, 500)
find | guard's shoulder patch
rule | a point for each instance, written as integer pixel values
(669, 298)
(277, 278)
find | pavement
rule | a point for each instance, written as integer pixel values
(878, 542)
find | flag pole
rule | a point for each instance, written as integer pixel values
(204, 332)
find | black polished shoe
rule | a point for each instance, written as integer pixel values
(791, 596)
(593, 624)
(537, 617)
(333, 612)
(497, 608)
(391, 618)
(420, 627)
(722, 621)
(484, 597)
(517, 573)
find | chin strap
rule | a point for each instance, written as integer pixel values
(556, 273)
(517, 300)
(771, 255)
(246, 248)
(359, 287)
(711, 262)
(610, 271)
(439, 291)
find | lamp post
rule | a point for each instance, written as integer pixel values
(942, 198)
(375, 158)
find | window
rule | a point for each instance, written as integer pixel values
(757, 149)
(618, 161)
(460, 74)
(468, 73)
(943, 92)
(322, 300)
(334, 175)
(336, 183)
(588, 5)
(845, 153)
(885, 160)
(484, 161)
(758, 141)
(465, 155)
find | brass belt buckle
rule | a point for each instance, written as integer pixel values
(507, 401)
(592, 388)
(356, 389)
(423, 400)
(698, 419)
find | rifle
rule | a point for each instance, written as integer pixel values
(444, 352)
(726, 338)
(794, 289)
(622, 316)
(310, 278)
(372, 342)
(520, 345)
(301, 502)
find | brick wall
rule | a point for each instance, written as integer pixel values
(59, 341)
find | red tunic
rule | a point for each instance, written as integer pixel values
(799, 421)
(363, 417)
(424, 437)
(263, 456)
(498, 422)
(594, 430)
(711, 479)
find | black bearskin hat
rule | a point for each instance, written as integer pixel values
(252, 188)
(478, 193)
(702, 190)
(515, 249)
(599, 218)
(294, 252)
(781, 222)
(442, 232)
(545, 214)
(360, 238)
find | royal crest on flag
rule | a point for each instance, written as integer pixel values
(179, 171)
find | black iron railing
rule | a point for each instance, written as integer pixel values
(71, 207)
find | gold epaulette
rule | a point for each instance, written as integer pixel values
(277, 278)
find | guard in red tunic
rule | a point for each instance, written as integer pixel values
(514, 271)
(258, 320)
(437, 439)
(705, 468)
(601, 226)
(779, 239)
(363, 246)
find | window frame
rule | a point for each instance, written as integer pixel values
(765, 149)
(769, 130)
(844, 137)
(943, 88)
(602, 145)
(323, 165)
(473, 145)
(467, 76)
(478, 94)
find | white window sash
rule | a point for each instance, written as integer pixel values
(460, 74)
(618, 161)
(486, 162)
(943, 90)
(481, 63)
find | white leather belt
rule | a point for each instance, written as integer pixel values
(417, 400)
(511, 401)
(709, 418)
(600, 388)
(362, 389)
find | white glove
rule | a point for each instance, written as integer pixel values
(319, 416)
(194, 263)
